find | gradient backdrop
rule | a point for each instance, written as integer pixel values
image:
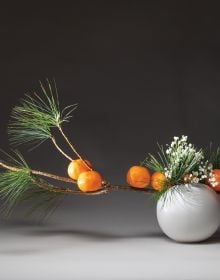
(141, 72)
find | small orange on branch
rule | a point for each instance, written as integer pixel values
(138, 177)
(158, 180)
(76, 167)
(89, 181)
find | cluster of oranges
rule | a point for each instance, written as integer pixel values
(89, 180)
(139, 177)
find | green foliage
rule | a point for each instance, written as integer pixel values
(214, 158)
(33, 120)
(156, 164)
(43, 202)
(12, 186)
(16, 158)
(161, 192)
(20, 185)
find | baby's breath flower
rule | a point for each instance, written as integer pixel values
(180, 151)
(195, 180)
(210, 166)
(180, 158)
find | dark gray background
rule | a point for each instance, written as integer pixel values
(142, 72)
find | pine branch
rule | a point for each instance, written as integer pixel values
(38, 173)
(33, 120)
(45, 185)
(18, 183)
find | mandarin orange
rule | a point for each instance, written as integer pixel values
(138, 177)
(89, 181)
(76, 167)
(158, 180)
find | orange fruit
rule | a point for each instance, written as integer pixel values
(157, 180)
(216, 176)
(89, 181)
(138, 177)
(76, 167)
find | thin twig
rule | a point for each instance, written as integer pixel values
(60, 150)
(106, 189)
(129, 188)
(39, 173)
(67, 191)
(72, 147)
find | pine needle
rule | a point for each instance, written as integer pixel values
(12, 186)
(33, 120)
(214, 158)
(44, 202)
(21, 185)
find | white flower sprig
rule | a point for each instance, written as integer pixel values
(212, 179)
(182, 158)
(182, 163)
(178, 159)
(205, 172)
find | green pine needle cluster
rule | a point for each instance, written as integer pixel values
(16, 159)
(43, 202)
(161, 192)
(14, 184)
(33, 120)
(214, 158)
(12, 187)
(21, 185)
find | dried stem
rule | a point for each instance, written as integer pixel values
(72, 147)
(60, 150)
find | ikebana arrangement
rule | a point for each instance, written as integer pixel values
(183, 179)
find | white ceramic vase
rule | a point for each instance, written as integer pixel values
(189, 213)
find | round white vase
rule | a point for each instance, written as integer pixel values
(189, 213)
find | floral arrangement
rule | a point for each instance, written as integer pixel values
(35, 121)
(181, 163)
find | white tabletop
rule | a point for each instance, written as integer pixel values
(102, 238)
